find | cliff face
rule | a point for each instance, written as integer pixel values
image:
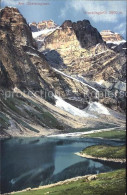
(21, 65)
(79, 47)
(15, 35)
(13, 22)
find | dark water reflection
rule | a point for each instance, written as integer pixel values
(30, 162)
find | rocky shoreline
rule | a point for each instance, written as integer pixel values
(101, 158)
(58, 133)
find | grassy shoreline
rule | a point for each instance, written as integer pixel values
(103, 183)
(105, 152)
(113, 134)
(101, 158)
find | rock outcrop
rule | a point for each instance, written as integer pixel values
(114, 41)
(108, 35)
(48, 24)
(15, 64)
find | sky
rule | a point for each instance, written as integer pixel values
(103, 15)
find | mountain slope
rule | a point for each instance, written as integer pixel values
(78, 49)
(28, 84)
(82, 50)
(23, 66)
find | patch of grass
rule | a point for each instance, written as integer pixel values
(114, 134)
(51, 121)
(27, 126)
(38, 114)
(111, 183)
(43, 116)
(106, 151)
(46, 117)
(4, 121)
(13, 103)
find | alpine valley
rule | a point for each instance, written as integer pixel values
(59, 79)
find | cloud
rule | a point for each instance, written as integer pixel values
(97, 11)
(121, 28)
(123, 32)
(64, 10)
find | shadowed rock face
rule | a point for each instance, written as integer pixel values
(33, 27)
(5, 81)
(21, 65)
(12, 22)
(87, 35)
(14, 35)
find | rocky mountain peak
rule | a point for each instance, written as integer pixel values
(86, 34)
(81, 24)
(66, 24)
(109, 35)
(48, 24)
(13, 23)
(75, 25)
(114, 41)
(82, 31)
(16, 48)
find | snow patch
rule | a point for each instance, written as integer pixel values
(32, 54)
(85, 84)
(100, 82)
(105, 84)
(97, 107)
(43, 32)
(60, 103)
(116, 42)
(97, 45)
(1, 9)
(99, 53)
(120, 86)
(108, 32)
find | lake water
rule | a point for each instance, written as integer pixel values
(30, 162)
